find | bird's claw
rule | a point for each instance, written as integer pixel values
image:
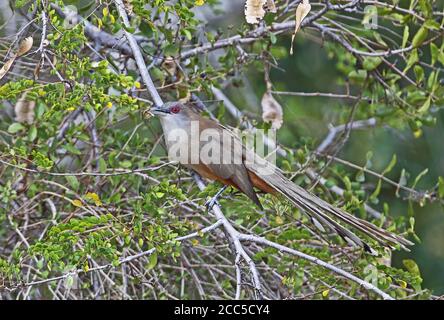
(211, 202)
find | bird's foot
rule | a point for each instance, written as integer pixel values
(210, 203)
(213, 201)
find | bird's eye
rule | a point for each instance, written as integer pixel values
(175, 109)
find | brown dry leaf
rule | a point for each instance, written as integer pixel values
(25, 46)
(24, 110)
(272, 110)
(301, 12)
(4, 70)
(169, 64)
(254, 10)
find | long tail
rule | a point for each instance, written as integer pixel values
(322, 214)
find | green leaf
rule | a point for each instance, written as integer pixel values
(329, 184)
(102, 165)
(15, 127)
(425, 107)
(405, 37)
(441, 57)
(40, 110)
(411, 266)
(426, 7)
(125, 164)
(360, 176)
(32, 133)
(441, 187)
(434, 52)
(86, 7)
(187, 34)
(273, 38)
(347, 183)
(171, 50)
(433, 81)
(419, 73)
(375, 193)
(358, 76)
(402, 181)
(371, 63)
(391, 165)
(412, 223)
(432, 25)
(422, 174)
(379, 39)
(72, 149)
(73, 182)
(129, 29)
(420, 37)
(413, 58)
(152, 261)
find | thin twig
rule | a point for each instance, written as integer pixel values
(138, 55)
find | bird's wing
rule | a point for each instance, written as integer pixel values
(321, 213)
(229, 158)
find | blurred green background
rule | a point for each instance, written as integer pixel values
(310, 70)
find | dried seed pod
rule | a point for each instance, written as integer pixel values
(254, 11)
(24, 110)
(25, 46)
(272, 110)
(169, 64)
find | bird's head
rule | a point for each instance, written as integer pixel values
(169, 108)
(174, 109)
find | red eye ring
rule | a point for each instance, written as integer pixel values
(175, 109)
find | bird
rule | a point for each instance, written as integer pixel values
(186, 133)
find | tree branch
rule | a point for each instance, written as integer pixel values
(334, 131)
(138, 55)
(95, 34)
(235, 236)
(365, 284)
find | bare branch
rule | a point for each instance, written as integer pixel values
(138, 55)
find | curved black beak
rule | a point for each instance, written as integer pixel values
(159, 111)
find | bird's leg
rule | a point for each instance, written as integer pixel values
(210, 203)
